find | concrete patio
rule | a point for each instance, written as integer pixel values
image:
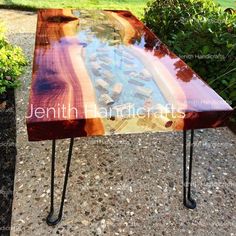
(120, 185)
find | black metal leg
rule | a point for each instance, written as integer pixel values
(50, 219)
(187, 199)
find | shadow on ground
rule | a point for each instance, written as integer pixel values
(7, 164)
(8, 4)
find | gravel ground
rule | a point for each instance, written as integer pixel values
(120, 185)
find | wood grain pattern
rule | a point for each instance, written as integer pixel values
(104, 72)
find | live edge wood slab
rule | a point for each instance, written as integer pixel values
(104, 72)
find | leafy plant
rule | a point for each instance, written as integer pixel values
(12, 61)
(2, 32)
(202, 35)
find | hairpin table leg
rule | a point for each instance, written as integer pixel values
(50, 219)
(187, 199)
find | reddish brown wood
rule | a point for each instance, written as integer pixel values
(62, 75)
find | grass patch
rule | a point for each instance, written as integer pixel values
(136, 6)
(227, 3)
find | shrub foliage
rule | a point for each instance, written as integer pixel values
(12, 61)
(203, 35)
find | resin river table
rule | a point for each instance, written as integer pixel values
(103, 73)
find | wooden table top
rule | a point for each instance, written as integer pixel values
(104, 72)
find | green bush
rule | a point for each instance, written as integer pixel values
(12, 61)
(202, 35)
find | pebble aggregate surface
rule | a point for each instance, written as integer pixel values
(119, 185)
